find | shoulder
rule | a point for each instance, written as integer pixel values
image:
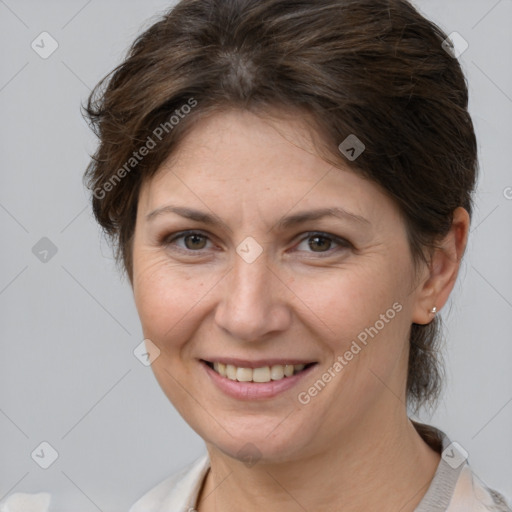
(455, 487)
(471, 493)
(25, 501)
(176, 492)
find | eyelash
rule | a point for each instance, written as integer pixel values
(168, 241)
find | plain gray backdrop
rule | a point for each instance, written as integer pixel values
(68, 375)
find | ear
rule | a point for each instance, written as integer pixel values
(439, 277)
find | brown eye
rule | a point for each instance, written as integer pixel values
(194, 241)
(323, 243)
(319, 243)
(187, 242)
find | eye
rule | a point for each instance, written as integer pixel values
(193, 241)
(320, 242)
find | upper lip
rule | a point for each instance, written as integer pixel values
(257, 363)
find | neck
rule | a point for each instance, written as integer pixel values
(373, 467)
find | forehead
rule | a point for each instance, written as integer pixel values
(238, 158)
(237, 143)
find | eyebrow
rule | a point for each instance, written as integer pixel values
(285, 222)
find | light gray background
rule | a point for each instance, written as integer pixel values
(68, 375)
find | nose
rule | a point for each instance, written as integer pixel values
(254, 301)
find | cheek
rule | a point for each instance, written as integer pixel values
(363, 325)
(345, 301)
(166, 295)
(361, 315)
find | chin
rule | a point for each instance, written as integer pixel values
(255, 444)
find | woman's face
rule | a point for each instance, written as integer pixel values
(258, 285)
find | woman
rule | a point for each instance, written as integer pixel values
(289, 187)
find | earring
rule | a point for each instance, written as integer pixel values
(433, 310)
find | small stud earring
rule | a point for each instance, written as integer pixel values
(433, 310)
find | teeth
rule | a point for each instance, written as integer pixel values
(243, 374)
(230, 372)
(220, 368)
(277, 372)
(263, 374)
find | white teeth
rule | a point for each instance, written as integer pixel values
(230, 372)
(262, 374)
(220, 368)
(243, 374)
(288, 370)
(277, 372)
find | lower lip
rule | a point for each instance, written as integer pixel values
(254, 390)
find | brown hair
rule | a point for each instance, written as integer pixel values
(373, 68)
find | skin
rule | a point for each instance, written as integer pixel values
(352, 447)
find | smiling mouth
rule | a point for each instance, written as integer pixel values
(261, 374)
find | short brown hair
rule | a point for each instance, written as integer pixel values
(373, 68)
